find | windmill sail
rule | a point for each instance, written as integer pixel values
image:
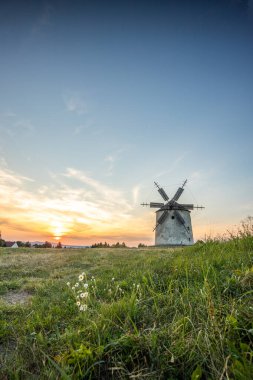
(156, 204)
(177, 195)
(161, 219)
(162, 192)
(179, 217)
(181, 220)
(186, 206)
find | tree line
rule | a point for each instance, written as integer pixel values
(47, 244)
(106, 245)
(4, 243)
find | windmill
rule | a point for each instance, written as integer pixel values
(173, 220)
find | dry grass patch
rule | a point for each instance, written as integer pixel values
(16, 298)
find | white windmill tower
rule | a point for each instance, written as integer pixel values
(173, 220)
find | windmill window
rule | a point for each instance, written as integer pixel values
(189, 239)
(188, 228)
(173, 217)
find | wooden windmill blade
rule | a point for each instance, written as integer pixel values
(162, 192)
(178, 193)
(156, 205)
(162, 219)
(180, 219)
(186, 206)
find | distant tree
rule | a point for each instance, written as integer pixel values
(47, 244)
(119, 245)
(141, 245)
(106, 245)
(100, 245)
(28, 244)
(20, 243)
(59, 245)
(2, 243)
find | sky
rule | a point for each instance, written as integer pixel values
(99, 99)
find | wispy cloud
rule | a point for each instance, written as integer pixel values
(78, 129)
(111, 159)
(8, 177)
(44, 18)
(87, 125)
(136, 192)
(172, 166)
(80, 207)
(74, 102)
(13, 125)
(24, 125)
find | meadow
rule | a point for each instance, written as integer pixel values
(147, 313)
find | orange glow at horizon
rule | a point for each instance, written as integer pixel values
(83, 215)
(139, 231)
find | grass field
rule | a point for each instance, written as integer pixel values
(151, 313)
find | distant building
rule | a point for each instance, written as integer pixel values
(11, 244)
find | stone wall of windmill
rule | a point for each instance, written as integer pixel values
(173, 220)
(171, 231)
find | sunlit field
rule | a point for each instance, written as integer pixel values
(147, 313)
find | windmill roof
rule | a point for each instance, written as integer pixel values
(11, 244)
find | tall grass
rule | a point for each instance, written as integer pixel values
(152, 313)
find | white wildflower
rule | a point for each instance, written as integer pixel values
(73, 288)
(78, 303)
(85, 286)
(68, 283)
(83, 307)
(113, 279)
(84, 295)
(81, 277)
(77, 284)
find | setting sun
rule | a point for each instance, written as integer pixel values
(58, 229)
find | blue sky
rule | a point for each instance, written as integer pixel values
(98, 100)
